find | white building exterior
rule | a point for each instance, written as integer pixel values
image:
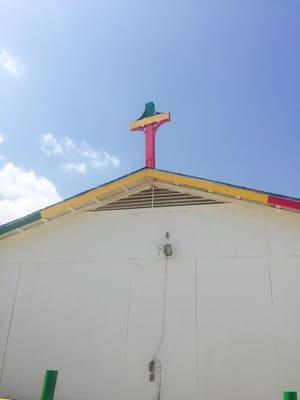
(90, 295)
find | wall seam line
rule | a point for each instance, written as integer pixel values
(10, 322)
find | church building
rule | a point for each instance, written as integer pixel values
(154, 286)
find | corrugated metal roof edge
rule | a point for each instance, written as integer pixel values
(272, 199)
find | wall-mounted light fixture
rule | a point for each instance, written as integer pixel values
(168, 251)
(165, 249)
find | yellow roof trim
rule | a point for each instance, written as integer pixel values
(218, 188)
(142, 176)
(59, 208)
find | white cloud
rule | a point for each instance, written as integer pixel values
(98, 159)
(22, 192)
(2, 140)
(50, 145)
(79, 157)
(10, 63)
(74, 167)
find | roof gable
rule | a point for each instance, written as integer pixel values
(139, 181)
(158, 196)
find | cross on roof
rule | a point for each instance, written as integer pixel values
(148, 123)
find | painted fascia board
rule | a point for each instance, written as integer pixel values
(59, 208)
(228, 190)
(218, 188)
(19, 223)
(56, 209)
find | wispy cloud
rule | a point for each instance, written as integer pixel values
(10, 63)
(74, 167)
(22, 192)
(50, 145)
(78, 157)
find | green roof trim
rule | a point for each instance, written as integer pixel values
(19, 223)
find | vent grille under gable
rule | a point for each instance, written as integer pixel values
(157, 197)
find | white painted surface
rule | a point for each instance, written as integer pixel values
(90, 301)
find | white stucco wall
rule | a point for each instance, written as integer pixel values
(84, 295)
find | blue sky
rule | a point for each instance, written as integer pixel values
(73, 74)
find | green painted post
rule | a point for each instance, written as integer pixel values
(289, 395)
(49, 385)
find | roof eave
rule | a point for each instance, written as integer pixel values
(85, 199)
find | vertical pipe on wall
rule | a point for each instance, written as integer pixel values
(49, 385)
